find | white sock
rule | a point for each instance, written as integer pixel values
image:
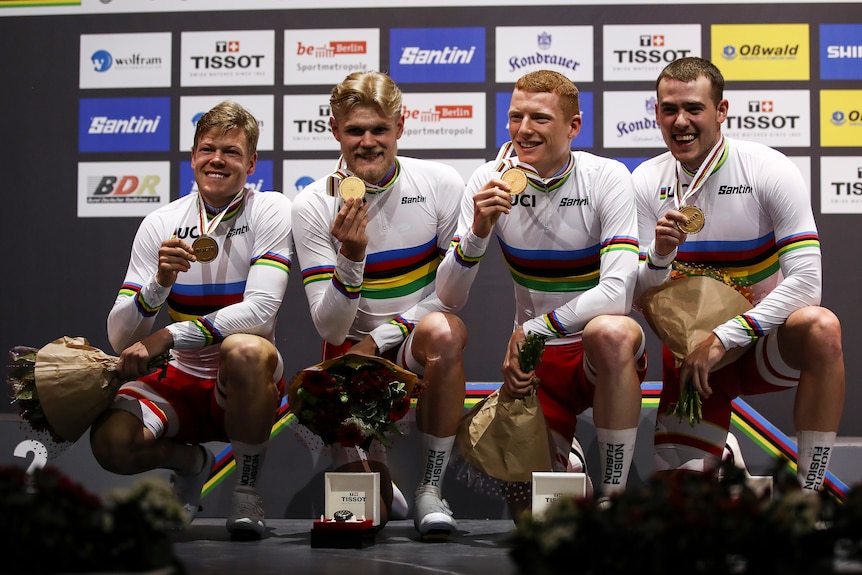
(815, 450)
(249, 462)
(435, 457)
(616, 450)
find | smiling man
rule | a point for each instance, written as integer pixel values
(568, 234)
(754, 225)
(369, 240)
(219, 260)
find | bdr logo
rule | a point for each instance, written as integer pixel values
(125, 189)
(110, 189)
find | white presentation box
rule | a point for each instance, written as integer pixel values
(549, 486)
(358, 493)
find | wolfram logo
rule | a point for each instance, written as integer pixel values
(728, 53)
(101, 60)
(412, 55)
(132, 125)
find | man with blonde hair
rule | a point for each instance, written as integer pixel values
(219, 260)
(369, 260)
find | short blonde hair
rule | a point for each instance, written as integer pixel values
(366, 89)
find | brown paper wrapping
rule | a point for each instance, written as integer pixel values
(683, 312)
(506, 440)
(75, 382)
(407, 377)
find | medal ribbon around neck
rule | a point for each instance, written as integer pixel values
(207, 227)
(506, 161)
(703, 172)
(341, 172)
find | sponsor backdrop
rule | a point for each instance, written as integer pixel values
(101, 98)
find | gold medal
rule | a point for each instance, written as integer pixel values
(517, 180)
(694, 219)
(351, 187)
(206, 249)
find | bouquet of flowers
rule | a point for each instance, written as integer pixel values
(61, 388)
(60, 527)
(502, 442)
(716, 523)
(683, 312)
(352, 399)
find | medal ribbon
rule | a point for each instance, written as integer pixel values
(207, 227)
(505, 161)
(342, 172)
(716, 155)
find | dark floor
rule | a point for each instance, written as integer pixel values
(479, 547)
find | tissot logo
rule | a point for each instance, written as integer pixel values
(227, 46)
(438, 54)
(653, 56)
(228, 58)
(124, 124)
(760, 106)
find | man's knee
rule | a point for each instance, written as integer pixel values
(112, 441)
(813, 334)
(442, 333)
(243, 355)
(611, 335)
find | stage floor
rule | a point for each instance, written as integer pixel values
(479, 547)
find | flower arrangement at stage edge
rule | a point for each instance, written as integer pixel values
(62, 387)
(352, 399)
(60, 527)
(691, 523)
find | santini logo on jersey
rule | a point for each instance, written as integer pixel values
(420, 199)
(725, 190)
(566, 202)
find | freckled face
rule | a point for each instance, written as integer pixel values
(541, 132)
